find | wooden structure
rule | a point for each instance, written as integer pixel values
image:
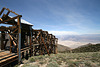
(20, 38)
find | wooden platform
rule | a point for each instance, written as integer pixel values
(6, 57)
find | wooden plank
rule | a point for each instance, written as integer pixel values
(1, 51)
(4, 55)
(8, 58)
(9, 55)
(3, 64)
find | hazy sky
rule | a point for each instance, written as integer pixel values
(59, 16)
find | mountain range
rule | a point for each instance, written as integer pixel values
(74, 41)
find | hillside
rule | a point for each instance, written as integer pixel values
(88, 59)
(87, 48)
(62, 48)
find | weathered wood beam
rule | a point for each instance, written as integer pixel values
(2, 40)
(7, 14)
(1, 19)
(10, 11)
(19, 39)
(37, 30)
(10, 19)
(37, 36)
(45, 45)
(30, 37)
(10, 46)
(12, 40)
(15, 30)
(2, 11)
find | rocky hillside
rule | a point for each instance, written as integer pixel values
(87, 48)
(62, 48)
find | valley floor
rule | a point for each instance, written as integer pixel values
(88, 59)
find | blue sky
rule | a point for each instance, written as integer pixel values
(59, 16)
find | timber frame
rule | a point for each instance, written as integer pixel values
(23, 39)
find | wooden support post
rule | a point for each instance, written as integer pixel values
(19, 39)
(30, 36)
(10, 46)
(2, 40)
(51, 44)
(40, 44)
(56, 45)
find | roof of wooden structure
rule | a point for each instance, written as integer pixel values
(26, 22)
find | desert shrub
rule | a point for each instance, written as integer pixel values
(87, 59)
(28, 65)
(40, 58)
(95, 57)
(98, 64)
(31, 59)
(43, 62)
(52, 64)
(72, 65)
(52, 59)
(16, 65)
(88, 64)
(59, 62)
(63, 59)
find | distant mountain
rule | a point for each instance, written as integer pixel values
(87, 48)
(74, 41)
(81, 38)
(62, 48)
